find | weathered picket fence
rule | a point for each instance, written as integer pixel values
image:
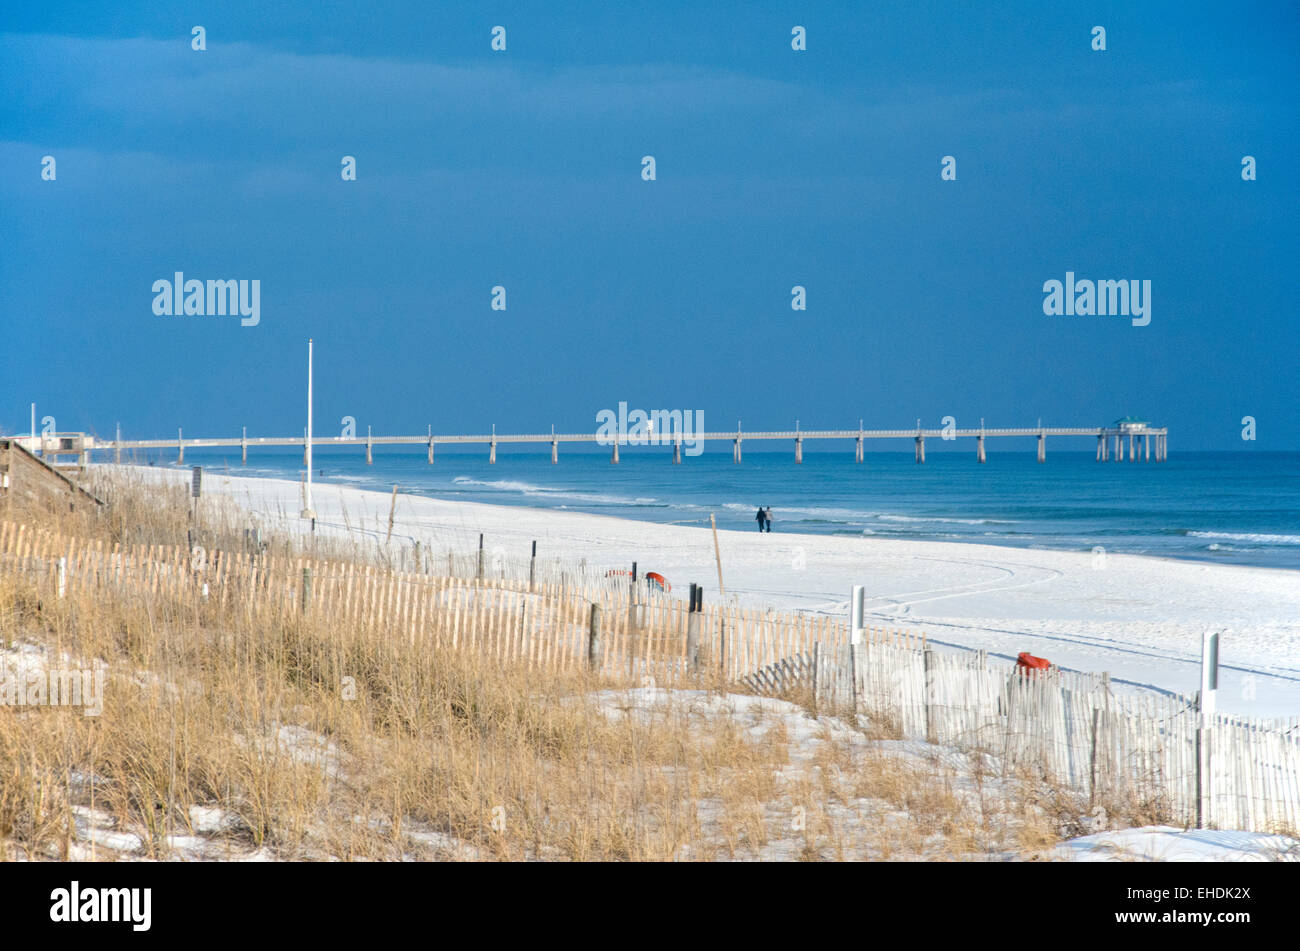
(1072, 728)
(557, 613)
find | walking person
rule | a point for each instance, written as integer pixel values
(762, 518)
(767, 518)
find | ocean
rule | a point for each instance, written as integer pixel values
(1222, 507)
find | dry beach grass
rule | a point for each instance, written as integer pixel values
(227, 732)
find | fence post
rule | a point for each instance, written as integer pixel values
(927, 657)
(392, 510)
(532, 566)
(480, 556)
(693, 629)
(723, 670)
(593, 638)
(63, 576)
(1204, 730)
(857, 612)
(306, 588)
(816, 672)
(1202, 755)
(853, 680)
(631, 608)
(1093, 772)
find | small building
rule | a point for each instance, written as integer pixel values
(1131, 424)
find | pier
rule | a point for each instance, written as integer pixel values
(1127, 439)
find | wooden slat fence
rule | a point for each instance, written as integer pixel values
(1071, 728)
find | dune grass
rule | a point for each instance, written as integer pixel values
(310, 741)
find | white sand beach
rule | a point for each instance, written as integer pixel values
(1138, 617)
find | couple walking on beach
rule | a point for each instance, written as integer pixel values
(764, 518)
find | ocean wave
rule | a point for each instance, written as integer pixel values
(840, 516)
(546, 492)
(812, 514)
(954, 521)
(1259, 538)
(898, 534)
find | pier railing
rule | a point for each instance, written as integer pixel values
(1143, 441)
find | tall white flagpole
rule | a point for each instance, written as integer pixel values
(308, 511)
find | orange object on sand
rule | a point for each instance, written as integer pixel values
(1027, 662)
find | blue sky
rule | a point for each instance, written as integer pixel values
(775, 168)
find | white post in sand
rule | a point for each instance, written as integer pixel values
(858, 606)
(308, 508)
(1204, 760)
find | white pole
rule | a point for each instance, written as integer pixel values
(1209, 675)
(33, 427)
(1204, 736)
(308, 511)
(858, 605)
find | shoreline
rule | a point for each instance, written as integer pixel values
(1079, 509)
(1139, 617)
